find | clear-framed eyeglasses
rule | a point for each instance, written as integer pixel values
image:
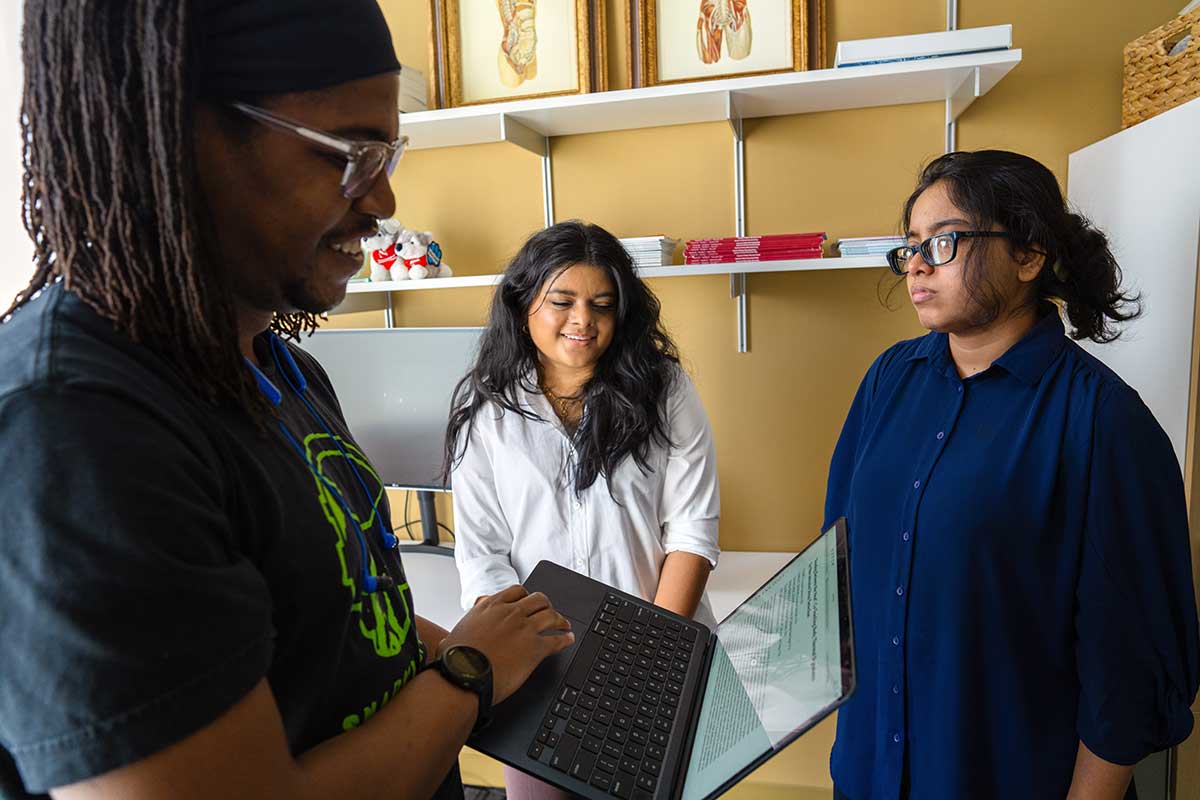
(364, 159)
(936, 250)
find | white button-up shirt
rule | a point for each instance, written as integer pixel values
(515, 502)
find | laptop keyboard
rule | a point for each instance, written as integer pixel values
(617, 705)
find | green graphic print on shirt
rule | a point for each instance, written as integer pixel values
(378, 621)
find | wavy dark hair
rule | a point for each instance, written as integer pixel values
(625, 396)
(1022, 197)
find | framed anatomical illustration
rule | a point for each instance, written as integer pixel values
(486, 51)
(689, 40)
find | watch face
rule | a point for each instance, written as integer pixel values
(466, 661)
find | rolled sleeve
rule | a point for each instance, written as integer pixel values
(691, 500)
(1137, 641)
(483, 540)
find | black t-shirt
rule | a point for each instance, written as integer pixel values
(159, 557)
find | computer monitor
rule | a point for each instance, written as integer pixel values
(394, 386)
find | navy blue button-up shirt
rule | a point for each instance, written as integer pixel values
(1020, 572)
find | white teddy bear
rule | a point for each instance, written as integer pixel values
(381, 249)
(422, 256)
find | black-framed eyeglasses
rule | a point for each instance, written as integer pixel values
(936, 250)
(364, 160)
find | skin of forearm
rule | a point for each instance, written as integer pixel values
(681, 582)
(431, 635)
(362, 763)
(244, 754)
(1097, 779)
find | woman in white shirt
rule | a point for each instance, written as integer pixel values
(577, 438)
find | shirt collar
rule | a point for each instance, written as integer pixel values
(1027, 360)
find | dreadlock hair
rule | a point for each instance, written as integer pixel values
(626, 394)
(110, 196)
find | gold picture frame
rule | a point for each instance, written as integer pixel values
(804, 42)
(557, 47)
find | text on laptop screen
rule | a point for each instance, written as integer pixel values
(777, 664)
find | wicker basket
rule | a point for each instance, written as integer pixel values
(1155, 81)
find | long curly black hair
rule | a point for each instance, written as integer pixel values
(625, 397)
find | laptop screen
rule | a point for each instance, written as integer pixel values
(781, 662)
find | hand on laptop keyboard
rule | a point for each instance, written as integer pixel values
(508, 627)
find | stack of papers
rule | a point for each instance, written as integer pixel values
(412, 89)
(651, 251)
(731, 249)
(868, 245)
(923, 45)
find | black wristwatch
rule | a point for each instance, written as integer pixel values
(468, 668)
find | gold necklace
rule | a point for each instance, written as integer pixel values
(561, 404)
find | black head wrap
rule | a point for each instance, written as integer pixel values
(249, 48)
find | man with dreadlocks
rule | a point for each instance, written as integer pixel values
(200, 595)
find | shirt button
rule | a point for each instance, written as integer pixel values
(896, 738)
(960, 389)
(899, 590)
(905, 536)
(941, 434)
(916, 484)
(895, 688)
(896, 640)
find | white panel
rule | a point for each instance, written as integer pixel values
(394, 387)
(1142, 187)
(15, 267)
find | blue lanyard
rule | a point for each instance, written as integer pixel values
(295, 380)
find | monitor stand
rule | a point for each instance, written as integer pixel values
(429, 528)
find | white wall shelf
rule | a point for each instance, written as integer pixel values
(674, 271)
(377, 296)
(527, 123)
(956, 81)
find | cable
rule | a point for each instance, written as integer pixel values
(408, 526)
(410, 523)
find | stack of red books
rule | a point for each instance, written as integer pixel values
(780, 247)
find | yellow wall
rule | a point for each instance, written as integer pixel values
(777, 410)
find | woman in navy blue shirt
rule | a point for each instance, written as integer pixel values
(1025, 621)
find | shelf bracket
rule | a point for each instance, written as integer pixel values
(952, 117)
(957, 101)
(547, 187)
(737, 280)
(516, 132)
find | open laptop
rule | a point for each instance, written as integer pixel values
(647, 704)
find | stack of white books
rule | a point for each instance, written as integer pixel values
(412, 89)
(651, 251)
(868, 245)
(923, 45)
